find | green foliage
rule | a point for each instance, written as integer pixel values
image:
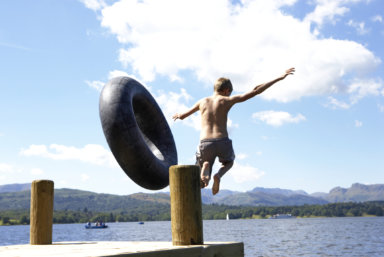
(350, 209)
(75, 206)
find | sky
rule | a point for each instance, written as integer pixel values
(316, 130)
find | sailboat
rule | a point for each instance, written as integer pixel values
(227, 216)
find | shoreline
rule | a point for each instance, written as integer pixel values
(253, 218)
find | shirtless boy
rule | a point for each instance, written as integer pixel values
(214, 141)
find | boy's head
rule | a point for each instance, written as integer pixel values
(222, 84)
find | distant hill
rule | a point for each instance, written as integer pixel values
(18, 197)
(14, 187)
(267, 199)
(72, 199)
(278, 191)
(208, 198)
(356, 193)
(319, 195)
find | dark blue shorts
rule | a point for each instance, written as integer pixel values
(209, 149)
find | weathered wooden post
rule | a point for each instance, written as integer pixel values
(186, 213)
(41, 215)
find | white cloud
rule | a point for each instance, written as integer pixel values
(118, 73)
(277, 119)
(85, 177)
(358, 123)
(333, 103)
(8, 172)
(231, 124)
(245, 173)
(94, 4)
(98, 85)
(359, 26)
(233, 40)
(172, 103)
(327, 11)
(241, 156)
(377, 18)
(91, 153)
(359, 89)
(330, 11)
(37, 171)
(4, 167)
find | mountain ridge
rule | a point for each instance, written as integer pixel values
(14, 187)
(18, 197)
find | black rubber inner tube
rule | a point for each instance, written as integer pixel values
(137, 132)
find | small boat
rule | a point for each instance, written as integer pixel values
(90, 226)
(227, 216)
(141, 222)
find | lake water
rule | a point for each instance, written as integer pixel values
(284, 237)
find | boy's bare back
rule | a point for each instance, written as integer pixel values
(214, 115)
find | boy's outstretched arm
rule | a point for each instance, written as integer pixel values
(262, 87)
(183, 115)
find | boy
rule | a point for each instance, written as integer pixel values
(214, 141)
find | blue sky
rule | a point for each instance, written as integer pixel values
(321, 128)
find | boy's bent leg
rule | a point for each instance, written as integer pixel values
(205, 157)
(216, 184)
(216, 179)
(226, 166)
(205, 174)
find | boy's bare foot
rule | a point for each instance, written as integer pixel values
(216, 184)
(204, 181)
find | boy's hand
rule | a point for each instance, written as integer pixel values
(288, 72)
(175, 117)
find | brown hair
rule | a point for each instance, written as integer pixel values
(223, 83)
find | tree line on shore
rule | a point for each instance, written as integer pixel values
(213, 211)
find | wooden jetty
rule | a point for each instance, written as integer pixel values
(186, 223)
(121, 249)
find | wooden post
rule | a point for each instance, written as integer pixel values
(41, 212)
(186, 213)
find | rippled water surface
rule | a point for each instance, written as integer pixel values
(285, 237)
